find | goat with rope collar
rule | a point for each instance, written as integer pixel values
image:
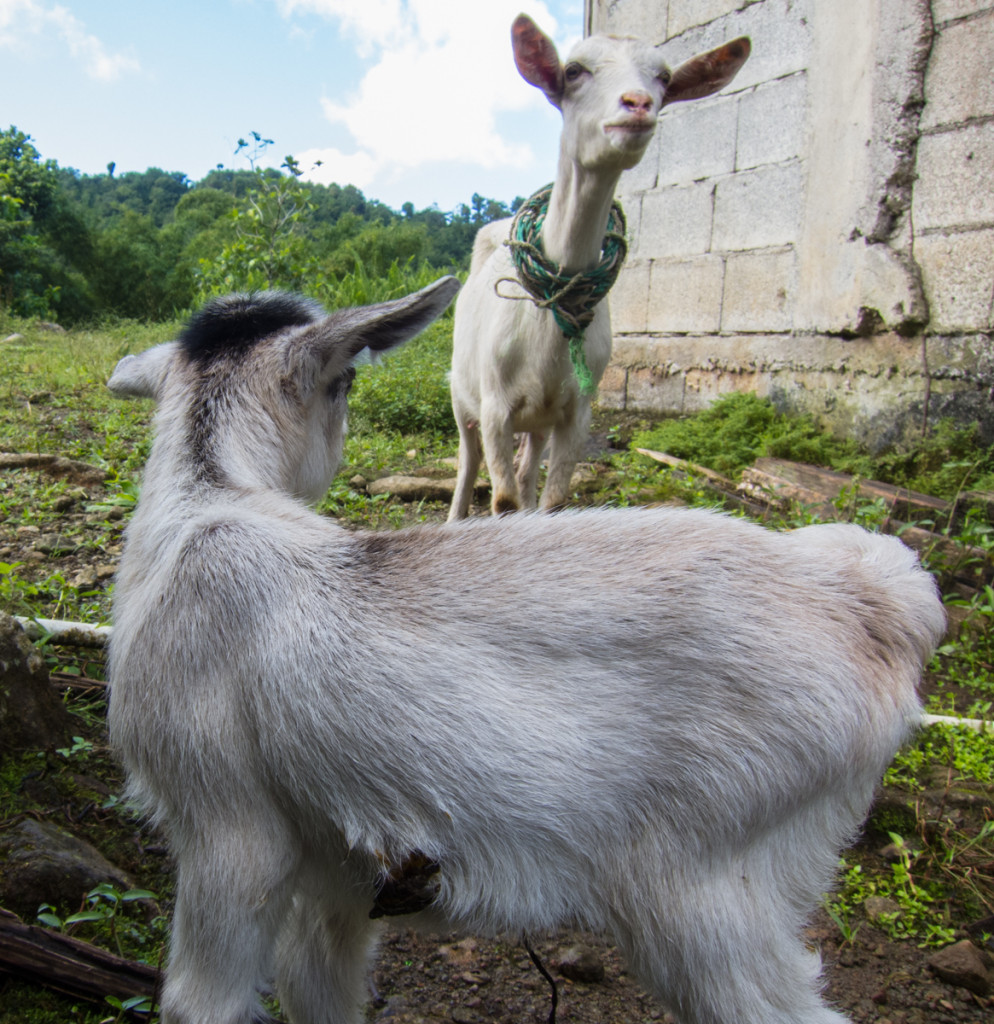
(532, 367)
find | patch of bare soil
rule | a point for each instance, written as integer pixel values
(441, 979)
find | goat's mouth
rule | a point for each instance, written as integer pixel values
(636, 131)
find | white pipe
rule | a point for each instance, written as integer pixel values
(979, 724)
(80, 634)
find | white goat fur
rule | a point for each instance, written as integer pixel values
(511, 370)
(661, 723)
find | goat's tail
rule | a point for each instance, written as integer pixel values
(897, 601)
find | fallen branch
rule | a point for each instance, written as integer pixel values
(57, 466)
(75, 968)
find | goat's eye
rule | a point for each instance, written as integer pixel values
(342, 384)
(666, 77)
(573, 71)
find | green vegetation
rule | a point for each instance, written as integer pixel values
(149, 246)
(738, 428)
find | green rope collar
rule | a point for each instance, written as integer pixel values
(572, 298)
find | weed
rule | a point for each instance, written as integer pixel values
(105, 913)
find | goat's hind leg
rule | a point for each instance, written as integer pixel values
(322, 972)
(470, 457)
(231, 896)
(717, 954)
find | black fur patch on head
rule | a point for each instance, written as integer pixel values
(234, 323)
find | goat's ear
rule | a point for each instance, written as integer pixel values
(346, 335)
(707, 73)
(536, 57)
(143, 375)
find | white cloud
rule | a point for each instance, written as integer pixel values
(21, 19)
(327, 166)
(440, 71)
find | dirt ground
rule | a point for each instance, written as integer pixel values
(440, 979)
(436, 979)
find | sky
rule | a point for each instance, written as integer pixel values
(409, 100)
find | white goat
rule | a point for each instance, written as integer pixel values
(663, 723)
(511, 365)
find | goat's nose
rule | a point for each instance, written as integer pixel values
(638, 102)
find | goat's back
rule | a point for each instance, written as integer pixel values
(537, 683)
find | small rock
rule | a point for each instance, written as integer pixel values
(25, 531)
(579, 963)
(55, 544)
(45, 864)
(462, 952)
(14, 337)
(876, 907)
(40, 397)
(45, 325)
(106, 572)
(85, 578)
(31, 714)
(964, 966)
(413, 488)
(358, 483)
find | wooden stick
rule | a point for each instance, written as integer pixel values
(70, 966)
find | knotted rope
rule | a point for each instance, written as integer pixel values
(572, 298)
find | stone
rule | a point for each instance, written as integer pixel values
(84, 579)
(959, 85)
(32, 717)
(43, 863)
(685, 295)
(758, 208)
(580, 963)
(55, 544)
(421, 488)
(877, 907)
(413, 488)
(676, 222)
(964, 966)
(758, 291)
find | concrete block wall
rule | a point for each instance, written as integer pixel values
(823, 230)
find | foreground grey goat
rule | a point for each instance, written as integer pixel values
(662, 723)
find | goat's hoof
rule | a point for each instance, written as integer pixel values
(504, 505)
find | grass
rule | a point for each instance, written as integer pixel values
(738, 428)
(53, 400)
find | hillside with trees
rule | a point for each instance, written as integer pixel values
(77, 248)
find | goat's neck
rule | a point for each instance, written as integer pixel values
(573, 232)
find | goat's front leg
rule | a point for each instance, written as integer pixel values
(498, 444)
(231, 897)
(567, 444)
(529, 462)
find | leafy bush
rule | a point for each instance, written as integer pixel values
(407, 392)
(737, 429)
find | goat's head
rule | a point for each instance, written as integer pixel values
(611, 90)
(254, 390)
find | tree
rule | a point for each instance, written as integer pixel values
(33, 271)
(269, 249)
